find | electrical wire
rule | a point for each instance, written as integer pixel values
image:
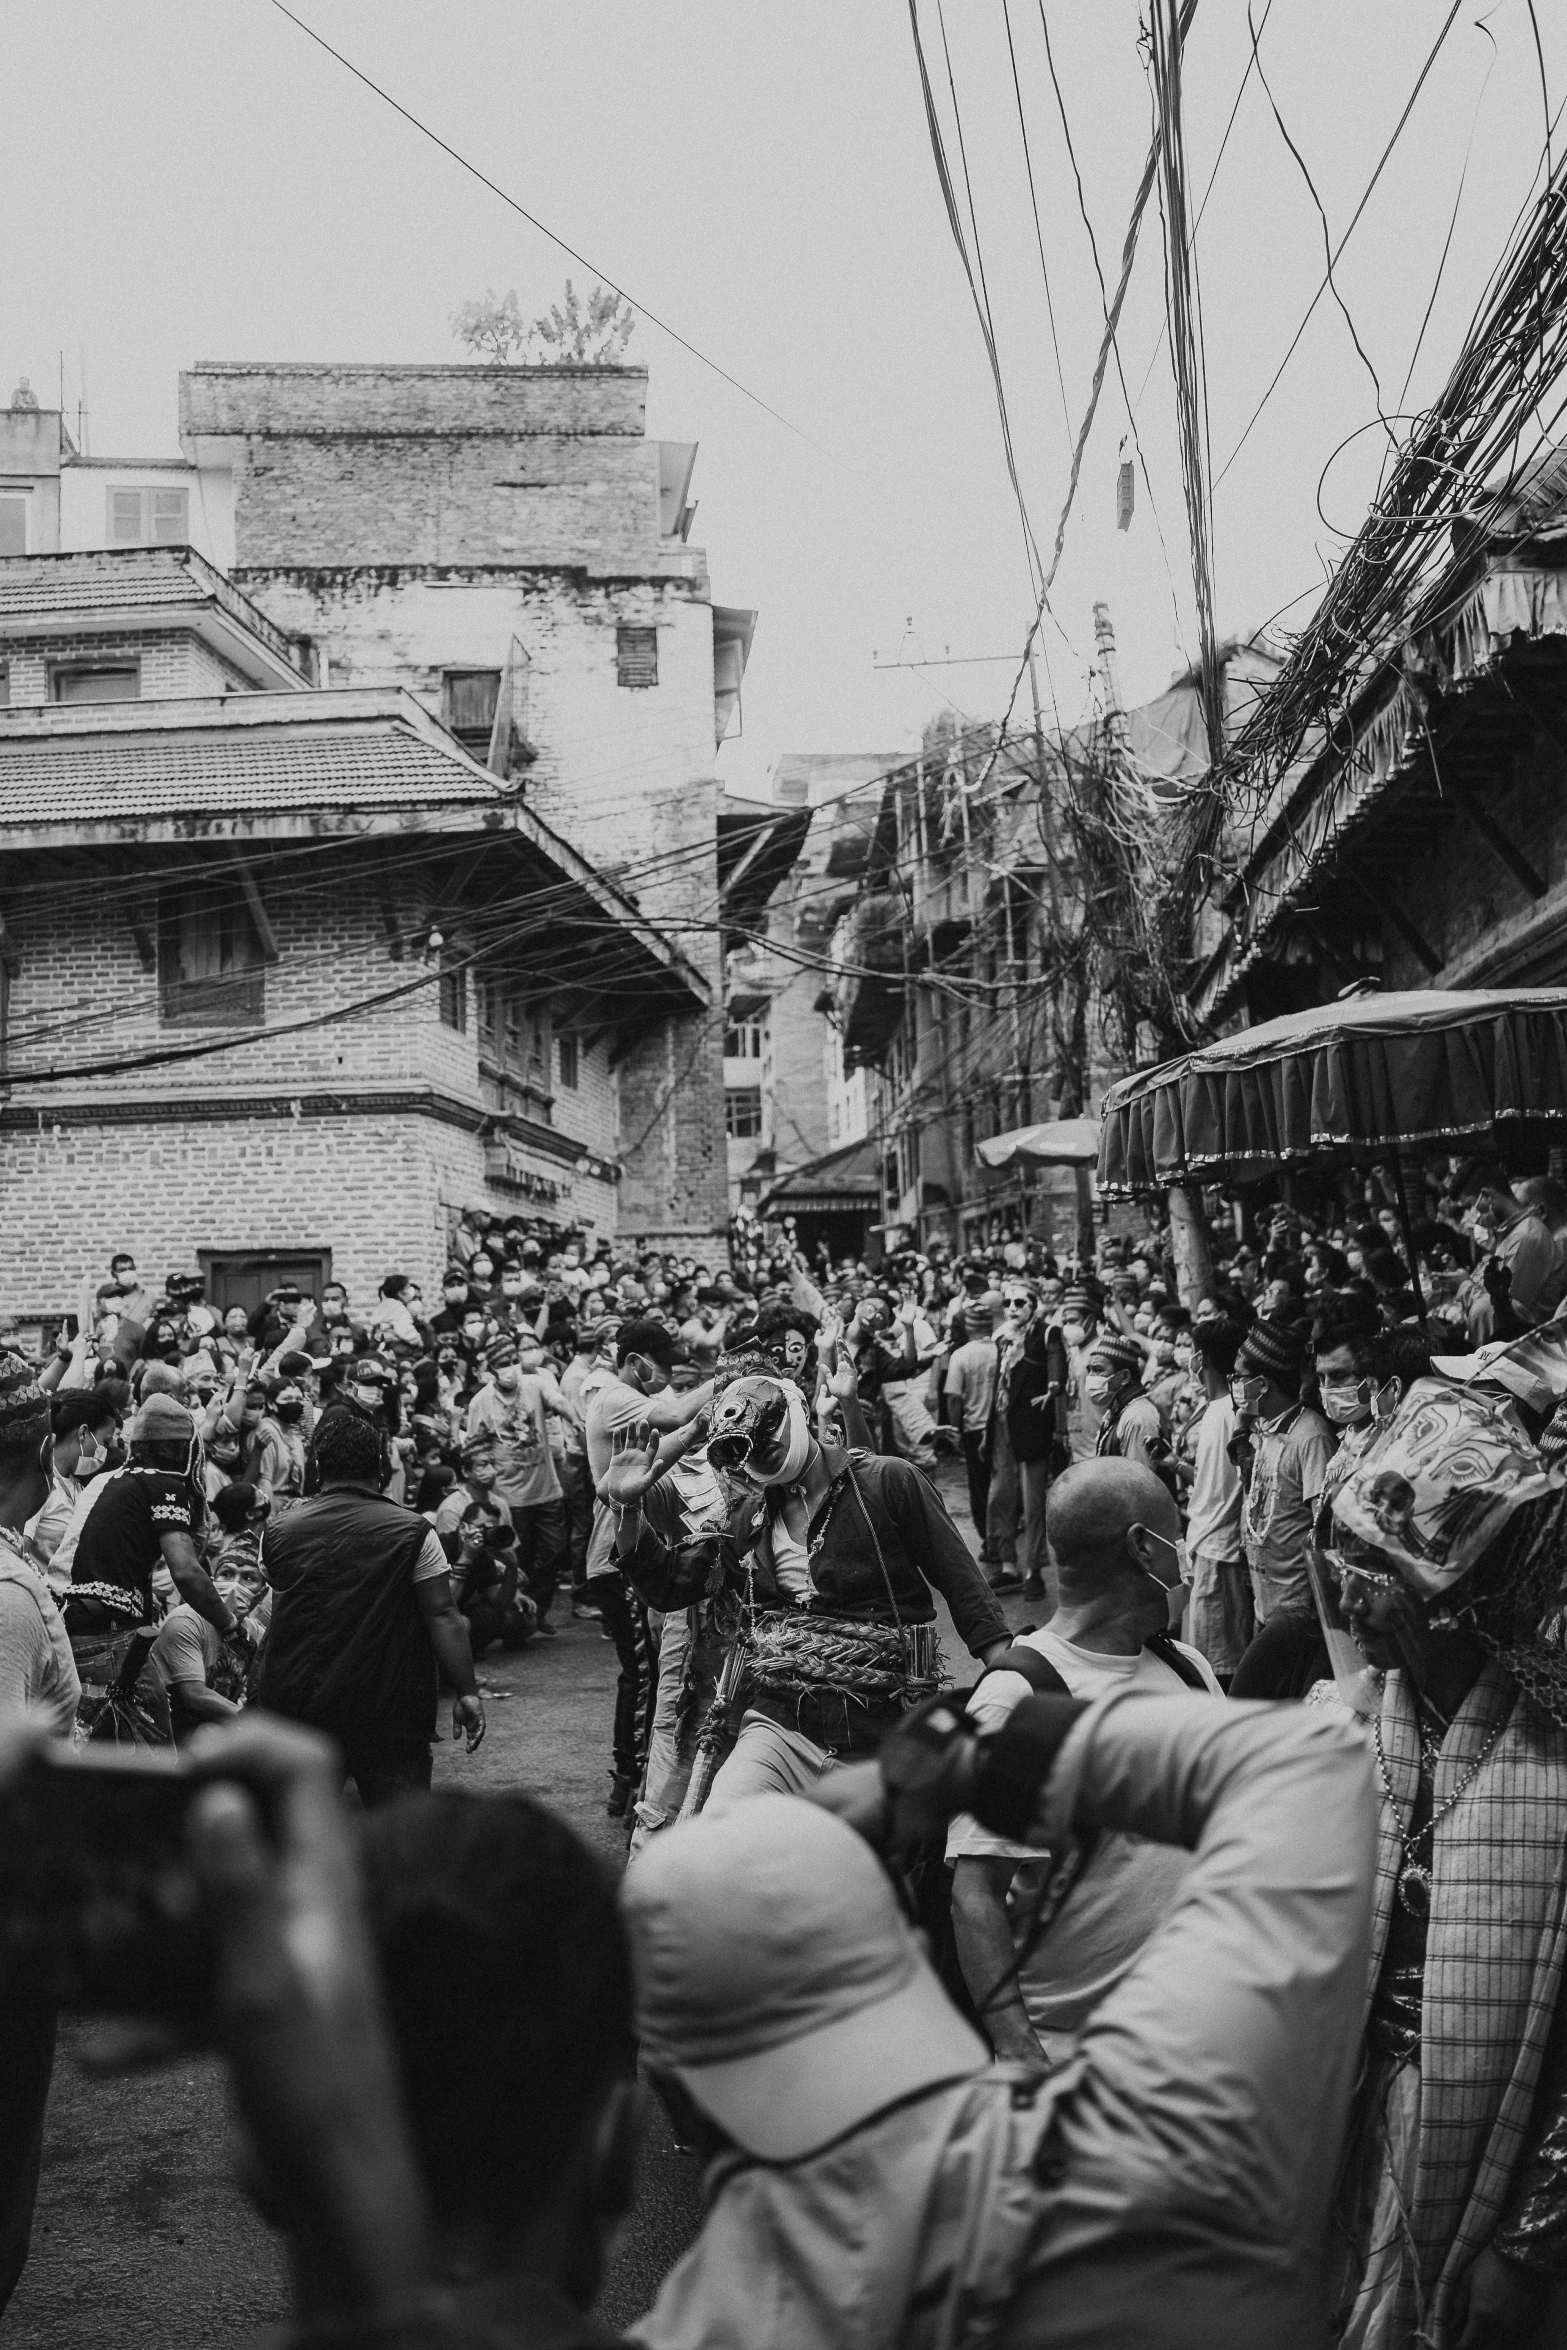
(981, 303)
(1187, 14)
(1398, 127)
(1327, 240)
(1212, 177)
(534, 221)
(1033, 199)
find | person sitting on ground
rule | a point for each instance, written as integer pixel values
(205, 1679)
(1116, 1537)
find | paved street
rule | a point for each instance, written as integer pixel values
(142, 2236)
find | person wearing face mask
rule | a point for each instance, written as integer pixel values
(1290, 1451)
(1129, 1424)
(1080, 1330)
(86, 1427)
(203, 1676)
(1116, 1537)
(511, 1410)
(1530, 1265)
(282, 1437)
(1029, 1440)
(837, 1553)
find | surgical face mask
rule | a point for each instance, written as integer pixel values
(1185, 1354)
(90, 1455)
(1099, 1392)
(1346, 1401)
(507, 1374)
(369, 1397)
(1178, 1591)
(1246, 1394)
(289, 1412)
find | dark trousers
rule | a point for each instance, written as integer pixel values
(976, 1459)
(636, 1688)
(26, 2062)
(384, 1768)
(577, 1493)
(541, 1549)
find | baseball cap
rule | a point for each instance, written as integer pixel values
(779, 1981)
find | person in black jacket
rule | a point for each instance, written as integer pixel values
(363, 1619)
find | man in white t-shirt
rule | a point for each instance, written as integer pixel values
(1116, 1537)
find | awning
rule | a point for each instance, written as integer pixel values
(1058, 1142)
(842, 1182)
(1345, 1084)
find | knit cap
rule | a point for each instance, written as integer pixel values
(1077, 1300)
(1273, 1350)
(24, 1407)
(162, 1421)
(1116, 1353)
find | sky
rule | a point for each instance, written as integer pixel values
(196, 179)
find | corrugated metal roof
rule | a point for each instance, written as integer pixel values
(81, 780)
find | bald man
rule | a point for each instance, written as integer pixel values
(1116, 1537)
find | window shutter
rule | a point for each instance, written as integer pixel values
(636, 656)
(13, 526)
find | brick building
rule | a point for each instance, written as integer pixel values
(298, 959)
(508, 545)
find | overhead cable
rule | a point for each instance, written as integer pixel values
(543, 228)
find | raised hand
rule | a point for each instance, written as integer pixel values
(633, 1464)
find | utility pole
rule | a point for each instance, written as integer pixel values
(1191, 1242)
(1082, 1187)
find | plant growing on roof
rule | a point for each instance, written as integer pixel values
(573, 332)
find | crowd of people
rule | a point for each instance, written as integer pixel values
(1225, 2022)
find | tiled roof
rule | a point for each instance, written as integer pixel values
(83, 780)
(38, 587)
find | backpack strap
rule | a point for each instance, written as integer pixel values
(1036, 1670)
(1168, 1650)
